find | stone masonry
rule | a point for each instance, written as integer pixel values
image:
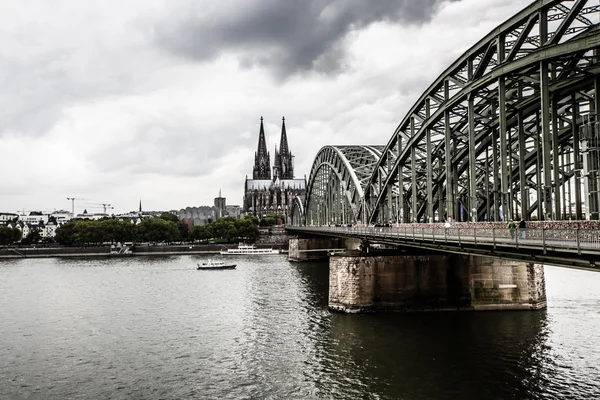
(304, 249)
(433, 282)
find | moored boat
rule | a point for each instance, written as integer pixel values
(210, 264)
(119, 251)
(248, 249)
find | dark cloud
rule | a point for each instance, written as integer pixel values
(288, 36)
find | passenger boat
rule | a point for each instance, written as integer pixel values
(121, 251)
(210, 264)
(248, 249)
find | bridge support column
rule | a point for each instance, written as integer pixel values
(433, 283)
(307, 249)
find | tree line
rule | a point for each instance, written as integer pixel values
(85, 232)
(166, 228)
(227, 228)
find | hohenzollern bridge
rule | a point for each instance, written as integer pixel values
(509, 131)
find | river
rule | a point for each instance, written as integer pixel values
(155, 328)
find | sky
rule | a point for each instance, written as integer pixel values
(160, 100)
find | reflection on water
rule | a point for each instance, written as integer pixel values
(471, 355)
(156, 328)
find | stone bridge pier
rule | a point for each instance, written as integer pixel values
(316, 248)
(400, 283)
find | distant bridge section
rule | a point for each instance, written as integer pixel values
(337, 181)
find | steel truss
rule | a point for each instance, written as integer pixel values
(497, 135)
(509, 130)
(336, 184)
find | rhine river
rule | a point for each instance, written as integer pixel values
(155, 328)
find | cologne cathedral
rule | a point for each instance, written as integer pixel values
(272, 192)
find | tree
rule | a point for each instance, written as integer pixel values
(9, 235)
(169, 217)
(117, 231)
(248, 228)
(65, 234)
(82, 231)
(228, 228)
(273, 219)
(182, 226)
(201, 232)
(268, 221)
(157, 230)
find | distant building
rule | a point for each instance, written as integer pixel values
(8, 217)
(220, 206)
(34, 218)
(49, 230)
(46, 230)
(197, 215)
(266, 193)
(205, 214)
(91, 216)
(234, 211)
(61, 216)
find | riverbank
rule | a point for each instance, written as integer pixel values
(104, 251)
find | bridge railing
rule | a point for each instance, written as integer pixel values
(564, 239)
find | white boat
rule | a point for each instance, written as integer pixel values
(248, 249)
(121, 251)
(210, 264)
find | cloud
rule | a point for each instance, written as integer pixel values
(55, 56)
(285, 36)
(95, 104)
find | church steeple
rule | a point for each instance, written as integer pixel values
(140, 205)
(283, 144)
(284, 164)
(262, 158)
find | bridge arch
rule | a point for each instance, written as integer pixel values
(298, 214)
(508, 130)
(336, 184)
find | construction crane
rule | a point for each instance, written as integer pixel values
(73, 204)
(105, 206)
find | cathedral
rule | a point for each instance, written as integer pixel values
(272, 192)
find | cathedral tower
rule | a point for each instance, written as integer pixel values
(283, 167)
(262, 158)
(264, 195)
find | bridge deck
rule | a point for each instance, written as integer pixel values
(564, 247)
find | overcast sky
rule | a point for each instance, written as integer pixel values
(161, 99)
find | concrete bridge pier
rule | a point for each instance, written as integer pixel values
(402, 283)
(308, 249)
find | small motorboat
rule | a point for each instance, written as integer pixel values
(210, 264)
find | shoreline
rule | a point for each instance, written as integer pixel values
(104, 252)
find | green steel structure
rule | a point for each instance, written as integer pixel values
(509, 130)
(337, 182)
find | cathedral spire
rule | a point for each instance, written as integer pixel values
(284, 164)
(262, 158)
(283, 144)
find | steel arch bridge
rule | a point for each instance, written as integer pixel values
(509, 130)
(337, 182)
